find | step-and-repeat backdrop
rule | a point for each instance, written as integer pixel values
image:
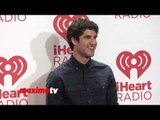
(33, 45)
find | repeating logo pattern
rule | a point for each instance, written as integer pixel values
(15, 66)
(141, 60)
(62, 22)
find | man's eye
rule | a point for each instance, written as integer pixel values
(87, 37)
(95, 37)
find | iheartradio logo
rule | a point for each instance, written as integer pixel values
(62, 22)
(15, 66)
(141, 60)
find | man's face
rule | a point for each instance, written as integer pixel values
(87, 44)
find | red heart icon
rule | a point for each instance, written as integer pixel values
(140, 60)
(15, 66)
(62, 22)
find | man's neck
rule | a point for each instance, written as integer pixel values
(81, 59)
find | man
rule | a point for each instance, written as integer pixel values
(82, 80)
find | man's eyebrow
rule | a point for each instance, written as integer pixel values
(87, 36)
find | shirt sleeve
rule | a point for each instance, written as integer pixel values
(112, 92)
(54, 82)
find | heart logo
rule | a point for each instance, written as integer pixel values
(62, 22)
(15, 66)
(140, 60)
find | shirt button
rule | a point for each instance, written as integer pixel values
(89, 101)
(87, 89)
(76, 68)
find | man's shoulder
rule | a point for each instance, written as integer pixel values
(62, 67)
(98, 64)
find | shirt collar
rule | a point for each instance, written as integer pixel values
(77, 64)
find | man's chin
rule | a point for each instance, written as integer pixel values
(91, 55)
(88, 56)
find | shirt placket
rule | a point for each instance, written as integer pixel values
(86, 85)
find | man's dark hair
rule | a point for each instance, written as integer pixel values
(77, 28)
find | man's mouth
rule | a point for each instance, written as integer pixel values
(92, 48)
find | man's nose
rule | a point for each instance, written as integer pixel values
(93, 41)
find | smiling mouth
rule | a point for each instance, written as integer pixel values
(91, 48)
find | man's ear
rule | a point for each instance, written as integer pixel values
(74, 41)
